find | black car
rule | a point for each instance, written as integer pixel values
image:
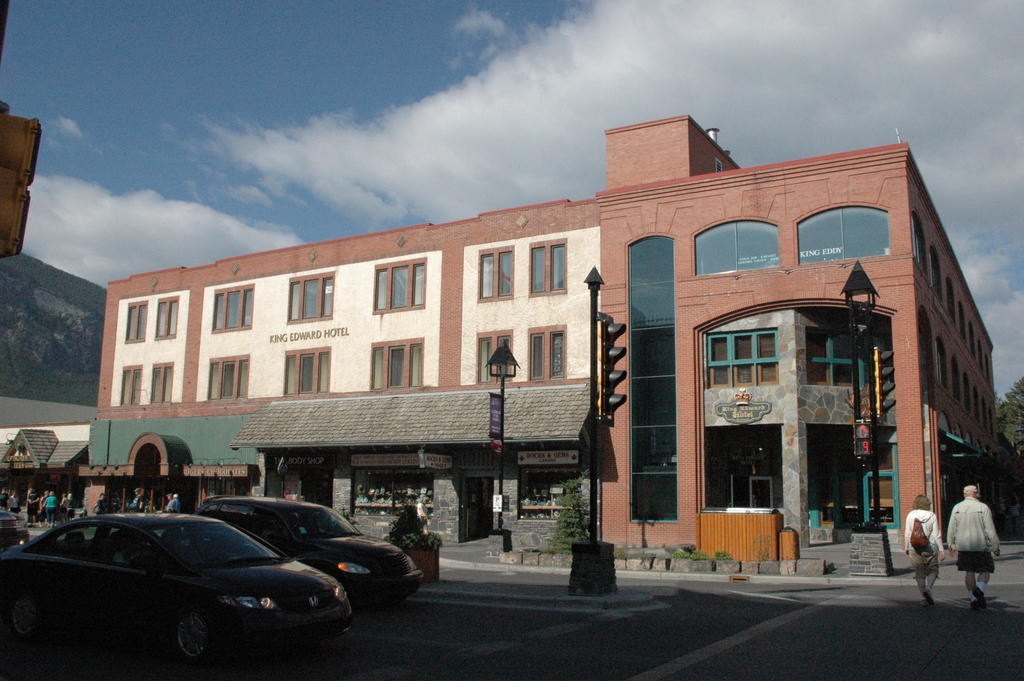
(11, 533)
(371, 569)
(197, 582)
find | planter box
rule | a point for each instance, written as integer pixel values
(687, 565)
(642, 563)
(511, 557)
(787, 567)
(660, 564)
(749, 567)
(531, 558)
(727, 566)
(768, 567)
(810, 566)
(428, 562)
(620, 563)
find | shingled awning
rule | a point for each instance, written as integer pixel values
(531, 414)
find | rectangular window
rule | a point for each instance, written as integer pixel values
(547, 268)
(307, 371)
(136, 330)
(163, 379)
(167, 318)
(547, 354)
(541, 491)
(229, 379)
(394, 290)
(384, 492)
(397, 365)
(828, 358)
(311, 298)
(131, 385)
(486, 345)
(232, 309)
(495, 274)
(742, 358)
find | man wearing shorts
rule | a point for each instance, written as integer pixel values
(972, 535)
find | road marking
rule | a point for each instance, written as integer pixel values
(680, 663)
(754, 594)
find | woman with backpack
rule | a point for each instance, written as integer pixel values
(922, 542)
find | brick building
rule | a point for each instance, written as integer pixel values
(353, 372)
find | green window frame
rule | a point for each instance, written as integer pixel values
(743, 358)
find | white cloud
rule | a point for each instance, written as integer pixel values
(479, 22)
(68, 127)
(247, 194)
(82, 228)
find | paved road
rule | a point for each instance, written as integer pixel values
(657, 632)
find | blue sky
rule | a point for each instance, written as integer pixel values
(176, 133)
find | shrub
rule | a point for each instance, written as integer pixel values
(699, 555)
(723, 555)
(681, 554)
(572, 522)
(408, 533)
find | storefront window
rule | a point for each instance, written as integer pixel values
(384, 492)
(541, 490)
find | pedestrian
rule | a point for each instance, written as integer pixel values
(925, 560)
(70, 511)
(51, 504)
(3, 499)
(13, 503)
(972, 535)
(138, 503)
(62, 512)
(100, 507)
(422, 515)
(174, 505)
(31, 507)
(1015, 515)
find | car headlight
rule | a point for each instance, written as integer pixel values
(354, 568)
(259, 603)
(339, 592)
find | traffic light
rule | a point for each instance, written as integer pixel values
(608, 377)
(19, 147)
(884, 383)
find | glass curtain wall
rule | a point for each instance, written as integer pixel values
(652, 372)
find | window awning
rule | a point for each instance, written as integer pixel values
(531, 415)
(955, 446)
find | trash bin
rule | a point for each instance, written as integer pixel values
(789, 544)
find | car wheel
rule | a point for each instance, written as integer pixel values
(25, 616)
(192, 635)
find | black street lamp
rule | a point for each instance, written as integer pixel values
(860, 297)
(502, 365)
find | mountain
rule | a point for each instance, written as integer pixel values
(51, 331)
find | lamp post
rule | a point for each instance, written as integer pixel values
(502, 365)
(860, 296)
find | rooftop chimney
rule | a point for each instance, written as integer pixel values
(713, 134)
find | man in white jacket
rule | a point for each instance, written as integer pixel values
(972, 535)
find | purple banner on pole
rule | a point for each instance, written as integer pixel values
(496, 410)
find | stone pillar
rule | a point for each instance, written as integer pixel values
(593, 569)
(870, 554)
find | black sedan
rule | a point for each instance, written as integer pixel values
(197, 582)
(371, 569)
(11, 532)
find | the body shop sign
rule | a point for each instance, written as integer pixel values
(552, 458)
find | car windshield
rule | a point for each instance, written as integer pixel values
(319, 523)
(213, 545)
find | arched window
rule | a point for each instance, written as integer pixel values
(919, 245)
(940, 362)
(967, 391)
(742, 245)
(844, 233)
(963, 331)
(954, 369)
(936, 270)
(950, 300)
(975, 405)
(970, 335)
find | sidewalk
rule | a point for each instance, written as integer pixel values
(484, 554)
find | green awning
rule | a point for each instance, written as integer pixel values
(956, 446)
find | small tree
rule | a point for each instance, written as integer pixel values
(408, 533)
(572, 525)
